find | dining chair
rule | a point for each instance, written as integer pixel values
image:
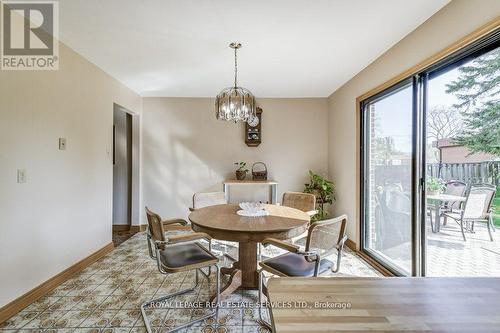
(477, 208)
(305, 202)
(206, 199)
(176, 254)
(324, 238)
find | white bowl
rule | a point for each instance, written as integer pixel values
(251, 206)
(252, 214)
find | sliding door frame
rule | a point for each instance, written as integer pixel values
(420, 221)
(364, 166)
(480, 41)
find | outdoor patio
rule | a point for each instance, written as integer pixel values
(449, 255)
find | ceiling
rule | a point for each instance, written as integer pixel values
(291, 48)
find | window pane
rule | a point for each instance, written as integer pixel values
(388, 175)
(463, 121)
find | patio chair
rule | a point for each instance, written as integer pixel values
(176, 254)
(324, 238)
(453, 187)
(206, 199)
(477, 208)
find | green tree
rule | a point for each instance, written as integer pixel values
(477, 89)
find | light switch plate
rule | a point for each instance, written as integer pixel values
(21, 176)
(62, 143)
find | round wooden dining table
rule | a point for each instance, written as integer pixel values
(223, 223)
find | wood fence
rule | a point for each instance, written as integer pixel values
(470, 173)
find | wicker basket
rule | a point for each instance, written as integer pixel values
(259, 175)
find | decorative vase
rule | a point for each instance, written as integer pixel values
(240, 174)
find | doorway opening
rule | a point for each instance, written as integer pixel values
(122, 174)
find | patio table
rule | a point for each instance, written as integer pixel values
(439, 199)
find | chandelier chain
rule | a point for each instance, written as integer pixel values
(235, 68)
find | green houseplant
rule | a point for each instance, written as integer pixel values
(323, 189)
(434, 185)
(241, 171)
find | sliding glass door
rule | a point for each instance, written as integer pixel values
(425, 143)
(462, 156)
(387, 187)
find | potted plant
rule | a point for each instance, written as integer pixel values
(323, 189)
(241, 171)
(434, 186)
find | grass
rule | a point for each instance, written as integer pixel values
(496, 211)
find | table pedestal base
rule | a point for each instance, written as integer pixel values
(243, 273)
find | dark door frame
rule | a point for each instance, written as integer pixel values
(419, 80)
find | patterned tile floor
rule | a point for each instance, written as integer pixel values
(105, 297)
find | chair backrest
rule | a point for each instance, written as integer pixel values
(455, 187)
(305, 202)
(201, 200)
(326, 234)
(485, 185)
(155, 227)
(479, 201)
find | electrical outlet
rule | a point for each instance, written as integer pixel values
(21, 176)
(62, 143)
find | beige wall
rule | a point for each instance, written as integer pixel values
(63, 213)
(453, 22)
(186, 150)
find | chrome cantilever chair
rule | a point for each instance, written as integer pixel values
(206, 199)
(305, 202)
(178, 254)
(477, 208)
(323, 239)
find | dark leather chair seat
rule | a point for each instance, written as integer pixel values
(292, 264)
(185, 255)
